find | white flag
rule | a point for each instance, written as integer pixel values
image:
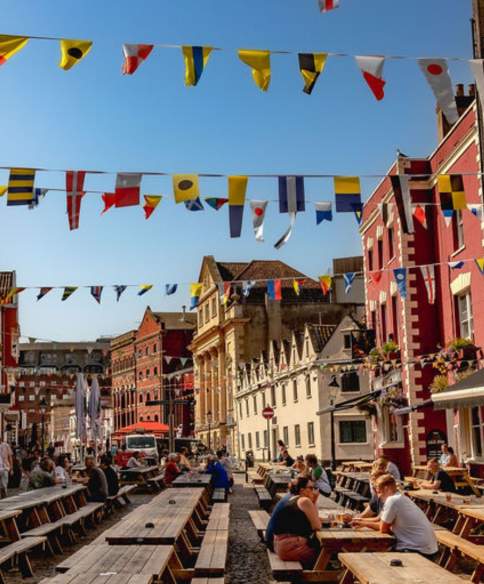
(372, 70)
(258, 209)
(428, 275)
(327, 5)
(436, 72)
(477, 68)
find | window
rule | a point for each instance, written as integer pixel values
(141, 418)
(351, 431)
(257, 440)
(214, 307)
(140, 375)
(308, 386)
(155, 371)
(146, 350)
(154, 348)
(156, 417)
(294, 390)
(147, 373)
(273, 396)
(240, 411)
(297, 435)
(140, 398)
(395, 318)
(370, 260)
(31, 397)
(458, 229)
(391, 248)
(200, 317)
(350, 381)
(249, 436)
(242, 440)
(477, 425)
(283, 392)
(254, 399)
(285, 435)
(311, 433)
(148, 397)
(207, 312)
(383, 329)
(347, 340)
(464, 311)
(247, 407)
(380, 254)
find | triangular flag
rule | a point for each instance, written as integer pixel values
(127, 189)
(96, 292)
(401, 191)
(311, 65)
(475, 209)
(144, 288)
(196, 59)
(109, 200)
(274, 290)
(185, 187)
(420, 215)
(9, 45)
(216, 202)
(72, 51)
(436, 72)
(74, 193)
(260, 63)
(168, 359)
(237, 186)
(258, 209)
(359, 214)
(448, 216)
(372, 70)
(349, 278)
(456, 265)
(324, 211)
(184, 360)
(480, 264)
(195, 293)
(119, 289)
(43, 292)
(151, 202)
(247, 286)
(327, 5)
(195, 205)
(68, 291)
(400, 275)
(297, 285)
(3, 190)
(428, 275)
(39, 194)
(325, 282)
(170, 289)
(134, 55)
(376, 276)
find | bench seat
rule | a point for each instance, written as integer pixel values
(455, 547)
(264, 497)
(86, 512)
(123, 493)
(208, 581)
(282, 570)
(219, 495)
(16, 552)
(158, 481)
(260, 519)
(213, 554)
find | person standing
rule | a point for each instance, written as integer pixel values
(6, 466)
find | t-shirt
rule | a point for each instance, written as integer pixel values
(289, 461)
(134, 463)
(171, 472)
(444, 459)
(40, 478)
(112, 480)
(97, 485)
(446, 483)
(376, 504)
(60, 473)
(5, 453)
(321, 480)
(410, 526)
(392, 469)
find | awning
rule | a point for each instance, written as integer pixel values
(409, 409)
(155, 428)
(466, 393)
(351, 403)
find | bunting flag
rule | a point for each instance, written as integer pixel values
(291, 200)
(348, 279)
(475, 209)
(401, 190)
(297, 285)
(452, 194)
(347, 191)
(68, 291)
(237, 190)
(20, 186)
(195, 205)
(127, 189)
(456, 265)
(324, 211)
(258, 209)
(327, 5)
(144, 288)
(477, 69)
(151, 202)
(74, 194)
(42, 293)
(479, 264)
(109, 200)
(119, 289)
(428, 275)
(311, 65)
(196, 59)
(185, 187)
(39, 194)
(195, 293)
(170, 289)
(400, 275)
(226, 293)
(436, 72)
(3, 190)
(96, 292)
(260, 63)
(420, 215)
(372, 71)
(274, 290)
(216, 202)
(247, 286)
(375, 277)
(325, 282)
(359, 214)
(134, 55)
(448, 216)
(9, 45)
(287, 234)
(72, 51)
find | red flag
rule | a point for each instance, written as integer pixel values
(127, 189)
(376, 276)
(277, 289)
(420, 216)
(75, 192)
(109, 200)
(134, 55)
(327, 5)
(372, 70)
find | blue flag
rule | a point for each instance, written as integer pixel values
(348, 280)
(456, 265)
(119, 290)
(400, 275)
(194, 205)
(170, 289)
(324, 212)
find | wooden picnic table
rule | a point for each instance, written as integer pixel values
(277, 482)
(375, 568)
(187, 480)
(139, 474)
(8, 525)
(361, 465)
(107, 578)
(219, 517)
(458, 474)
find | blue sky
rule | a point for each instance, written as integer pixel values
(93, 117)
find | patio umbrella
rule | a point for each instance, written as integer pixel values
(80, 408)
(94, 409)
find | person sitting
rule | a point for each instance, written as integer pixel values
(299, 465)
(62, 469)
(220, 479)
(383, 464)
(439, 479)
(453, 460)
(444, 456)
(172, 469)
(295, 522)
(404, 519)
(111, 474)
(269, 536)
(43, 475)
(281, 447)
(373, 509)
(225, 461)
(318, 475)
(183, 462)
(135, 460)
(287, 459)
(97, 485)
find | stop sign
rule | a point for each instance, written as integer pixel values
(268, 413)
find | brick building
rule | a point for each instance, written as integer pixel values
(123, 364)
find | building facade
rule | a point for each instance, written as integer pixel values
(123, 365)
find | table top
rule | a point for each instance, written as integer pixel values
(476, 512)
(361, 464)
(43, 496)
(105, 578)
(450, 470)
(140, 470)
(193, 480)
(375, 568)
(351, 534)
(456, 501)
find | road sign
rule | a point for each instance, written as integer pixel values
(268, 413)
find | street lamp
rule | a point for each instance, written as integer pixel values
(209, 420)
(333, 393)
(43, 409)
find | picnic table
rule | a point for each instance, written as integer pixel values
(8, 525)
(188, 480)
(358, 465)
(140, 475)
(107, 578)
(277, 482)
(459, 475)
(375, 568)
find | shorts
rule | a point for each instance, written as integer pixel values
(294, 548)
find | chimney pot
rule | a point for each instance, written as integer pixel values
(459, 90)
(472, 89)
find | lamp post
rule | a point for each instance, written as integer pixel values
(43, 408)
(209, 420)
(333, 393)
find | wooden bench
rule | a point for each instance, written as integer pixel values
(16, 553)
(260, 519)
(157, 482)
(53, 531)
(88, 513)
(219, 517)
(219, 495)
(213, 554)
(282, 570)
(121, 495)
(455, 547)
(264, 497)
(208, 581)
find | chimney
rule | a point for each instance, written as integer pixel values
(471, 88)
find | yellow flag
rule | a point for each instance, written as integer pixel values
(3, 190)
(185, 187)
(196, 59)
(260, 62)
(237, 190)
(72, 51)
(9, 45)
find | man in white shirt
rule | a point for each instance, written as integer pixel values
(402, 518)
(135, 461)
(6, 466)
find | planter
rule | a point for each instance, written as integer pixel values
(467, 353)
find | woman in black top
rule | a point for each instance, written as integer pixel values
(111, 475)
(295, 522)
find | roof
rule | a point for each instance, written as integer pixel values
(272, 269)
(176, 320)
(320, 335)
(144, 427)
(228, 270)
(464, 393)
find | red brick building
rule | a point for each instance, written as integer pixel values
(417, 326)
(123, 363)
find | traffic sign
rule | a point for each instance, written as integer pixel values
(268, 413)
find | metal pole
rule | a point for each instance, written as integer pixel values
(209, 438)
(42, 433)
(333, 446)
(268, 441)
(171, 420)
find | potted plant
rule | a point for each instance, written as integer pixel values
(391, 350)
(463, 348)
(439, 383)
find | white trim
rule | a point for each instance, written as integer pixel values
(444, 396)
(461, 284)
